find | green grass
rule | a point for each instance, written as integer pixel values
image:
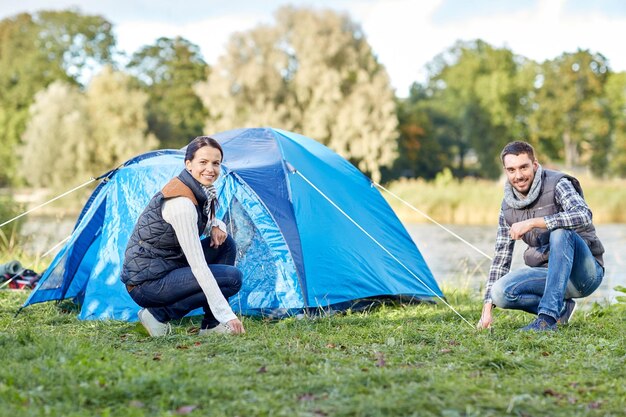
(418, 360)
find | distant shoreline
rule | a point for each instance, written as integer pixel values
(477, 202)
(450, 201)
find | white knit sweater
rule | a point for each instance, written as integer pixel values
(181, 213)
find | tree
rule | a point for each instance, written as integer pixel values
(72, 134)
(426, 137)
(36, 50)
(569, 112)
(168, 70)
(117, 117)
(615, 91)
(312, 72)
(55, 143)
(480, 89)
(79, 43)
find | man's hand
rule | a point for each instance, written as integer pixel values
(485, 318)
(237, 326)
(520, 228)
(217, 237)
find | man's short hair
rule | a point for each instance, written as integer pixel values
(516, 148)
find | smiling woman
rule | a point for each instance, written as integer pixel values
(168, 269)
(205, 167)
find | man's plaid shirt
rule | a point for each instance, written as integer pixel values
(574, 212)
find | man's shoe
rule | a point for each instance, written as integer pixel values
(221, 328)
(539, 325)
(570, 307)
(153, 326)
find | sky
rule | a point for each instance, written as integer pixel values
(404, 34)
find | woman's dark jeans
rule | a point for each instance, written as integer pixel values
(178, 292)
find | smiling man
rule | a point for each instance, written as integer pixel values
(546, 210)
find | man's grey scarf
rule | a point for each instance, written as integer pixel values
(516, 200)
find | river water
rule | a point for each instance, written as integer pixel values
(454, 263)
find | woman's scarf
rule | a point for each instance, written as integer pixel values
(518, 201)
(211, 194)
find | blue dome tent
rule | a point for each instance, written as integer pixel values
(312, 231)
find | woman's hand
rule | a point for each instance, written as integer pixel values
(237, 326)
(217, 237)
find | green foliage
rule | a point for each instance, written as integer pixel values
(9, 209)
(36, 50)
(72, 133)
(616, 97)
(55, 143)
(427, 137)
(117, 116)
(168, 71)
(395, 361)
(11, 248)
(570, 113)
(312, 72)
(78, 42)
(478, 98)
(479, 89)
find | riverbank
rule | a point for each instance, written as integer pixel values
(477, 202)
(446, 200)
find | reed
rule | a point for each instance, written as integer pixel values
(477, 202)
(11, 249)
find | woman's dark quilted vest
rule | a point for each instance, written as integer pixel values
(545, 205)
(153, 249)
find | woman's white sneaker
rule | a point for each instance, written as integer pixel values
(153, 326)
(221, 328)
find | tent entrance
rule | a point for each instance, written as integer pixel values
(272, 286)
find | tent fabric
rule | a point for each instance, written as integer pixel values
(291, 204)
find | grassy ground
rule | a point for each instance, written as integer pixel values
(395, 361)
(418, 360)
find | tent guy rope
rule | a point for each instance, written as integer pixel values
(48, 202)
(36, 208)
(434, 221)
(381, 246)
(49, 251)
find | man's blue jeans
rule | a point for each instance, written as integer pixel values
(178, 292)
(572, 272)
